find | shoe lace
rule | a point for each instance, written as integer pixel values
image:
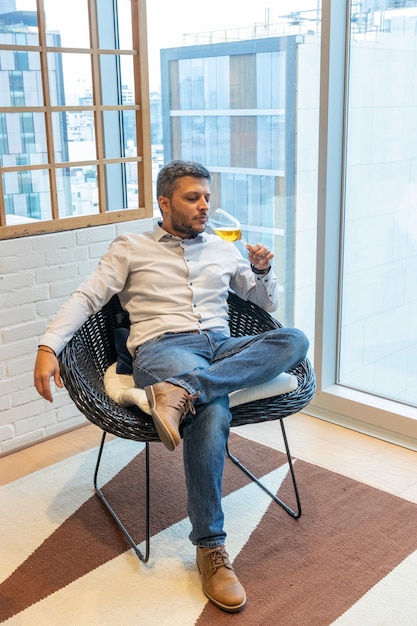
(218, 556)
(186, 405)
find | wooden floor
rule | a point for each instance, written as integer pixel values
(377, 463)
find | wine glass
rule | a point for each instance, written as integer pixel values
(226, 226)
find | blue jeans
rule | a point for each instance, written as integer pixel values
(213, 365)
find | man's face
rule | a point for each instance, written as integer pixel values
(185, 214)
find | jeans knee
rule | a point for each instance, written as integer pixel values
(300, 342)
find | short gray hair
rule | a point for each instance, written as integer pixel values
(171, 172)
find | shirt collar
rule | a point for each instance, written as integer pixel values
(160, 233)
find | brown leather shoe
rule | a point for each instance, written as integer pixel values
(169, 405)
(219, 581)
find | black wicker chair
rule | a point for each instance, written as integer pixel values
(91, 351)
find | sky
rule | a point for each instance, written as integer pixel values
(168, 20)
(189, 16)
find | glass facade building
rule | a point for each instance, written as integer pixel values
(232, 106)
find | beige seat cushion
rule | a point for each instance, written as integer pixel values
(121, 388)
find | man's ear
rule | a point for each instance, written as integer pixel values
(164, 204)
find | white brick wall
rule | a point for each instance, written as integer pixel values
(37, 274)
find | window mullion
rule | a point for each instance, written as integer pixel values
(98, 115)
(331, 133)
(143, 128)
(48, 113)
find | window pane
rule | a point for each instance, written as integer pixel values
(110, 15)
(110, 88)
(69, 21)
(27, 196)
(243, 141)
(184, 84)
(242, 81)
(23, 139)
(117, 87)
(116, 189)
(113, 147)
(379, 297)
(129, 133)
(197, 83)
(270, 75)
(124, 18)
(20, 79)
(74, 137)
(131, 174)
(77, 191)
(69, 78)
(65, 119)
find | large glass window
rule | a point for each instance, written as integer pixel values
(239, 92)
(72, 122)
(265, 97)
(378, 336)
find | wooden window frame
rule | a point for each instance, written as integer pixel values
(141, 106)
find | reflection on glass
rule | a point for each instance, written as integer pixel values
(71, 25)
(379, 298)
(27, 196)
(70, 79)
(74, 136)
(77, 191)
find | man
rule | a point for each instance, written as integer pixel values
(174, 284)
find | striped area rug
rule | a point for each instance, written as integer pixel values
(351, 559)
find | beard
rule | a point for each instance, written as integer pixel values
(183, 225)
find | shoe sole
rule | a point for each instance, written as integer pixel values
(163, 432)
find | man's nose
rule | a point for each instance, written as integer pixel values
(204, 205)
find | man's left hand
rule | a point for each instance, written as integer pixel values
(259, 256)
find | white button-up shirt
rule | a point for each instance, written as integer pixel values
(167, 284)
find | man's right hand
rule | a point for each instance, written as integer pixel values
(46, 367)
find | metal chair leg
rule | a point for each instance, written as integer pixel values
(294, 513)
(144, 557)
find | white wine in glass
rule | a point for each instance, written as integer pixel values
(226, 226)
